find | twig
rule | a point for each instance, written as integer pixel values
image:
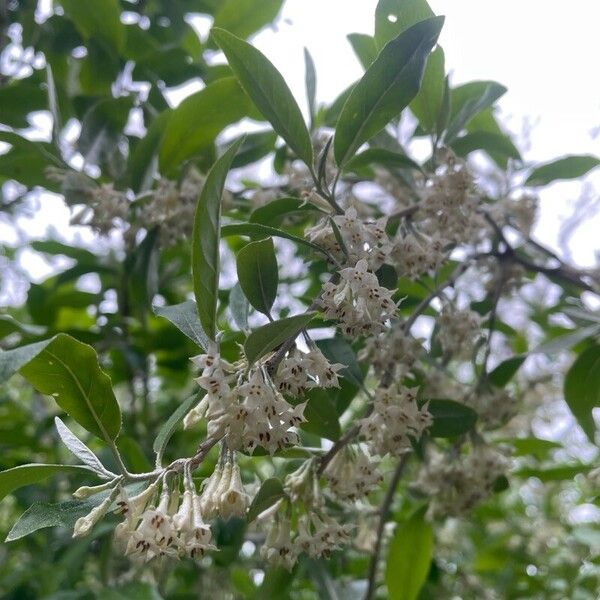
(384, 512)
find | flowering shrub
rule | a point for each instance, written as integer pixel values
(281, 386)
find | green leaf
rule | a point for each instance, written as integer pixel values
(239, 307)
(383, 157)
(450, 418)
(387, 87)
(338, 350)
(258, 274)
(427, 104)
(254, 147)
(269, 92)
(261, 231)
(505, 371)
(532, 446)
(44, 514)
(310, 82)
(196, 122)
(133, 589)
(245, 17)
(364, 47)
(555, 473)
(142, 272)
(27, 161)
(205, 241)
(392, 17)
(100, 19)
(143, 158)
(492, 143)
(81, 451)
(102, 128)
(270, 492)
(468, 101)
(566, 341)
(409, 558)
(169, 426)
(18, 477)
(68, 370)
(269, 336)
(185, 317)
(321, 415)
(582, 389)
(568, 167)
(273, 213)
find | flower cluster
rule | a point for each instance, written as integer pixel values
(358, 302)
(171, 207)
(352, 474)
(315, 532)
(392, 352)
(300, 371)
(107, 208)
(459, 331)
(415, 254)
(224, 494)
(174, 527)
(450, 202)
(494, 406)
(395, 419)
(455, 484)
(250, 411)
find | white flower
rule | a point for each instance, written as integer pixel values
(456, 483)
(234, 501)
(83, 525)
(352, 474)
(396, 418)
(358, 302)
(278, 548)
(319, 535)
(459, 331)
(193, 534)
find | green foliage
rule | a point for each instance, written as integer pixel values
(270, 491)
(258, 274)
(269, 92)
(569, 167)
(269, 336)
(409, 558)
(389, 84)
(582, 389)
(205, 242)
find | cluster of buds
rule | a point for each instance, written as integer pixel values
(171, 207)
(315, 532)
(392, 352)
(459, 331)
(395, 420)
(520, 212)
(173, 527)
(107, 208)
(457, 483)
(224, 495)
(414, 254)
(247, 412)
(352, 474)
(494, 406)
(301, 371)
(361, 240)
(450, 202)
(358, 303)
